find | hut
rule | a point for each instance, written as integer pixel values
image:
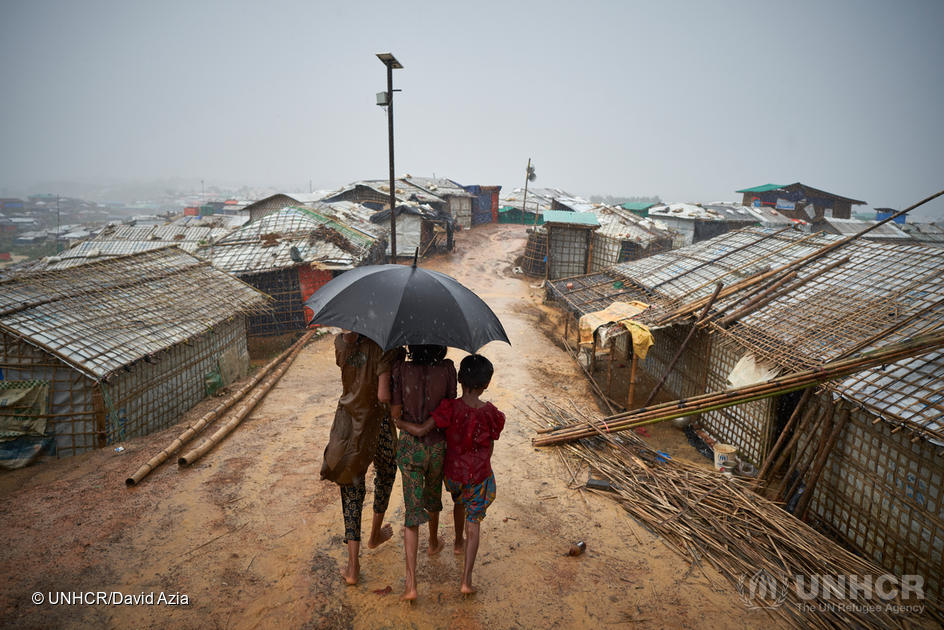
(696, 222)
(880, 486)
(289, 255)
(625, 236)
(119, 348)
(420, 230)
(484, 203)
(799, 201)
(189, 233)
(456, 200)
(569, 242)
(887, 232)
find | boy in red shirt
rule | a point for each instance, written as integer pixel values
(471, 425)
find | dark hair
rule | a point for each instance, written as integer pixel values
(475, 372)
(427, 354)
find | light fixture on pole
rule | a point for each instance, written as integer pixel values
(385, 99)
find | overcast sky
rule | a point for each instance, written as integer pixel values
(687, 100)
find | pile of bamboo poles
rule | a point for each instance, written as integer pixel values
(271, 373)
(740, 395)
(755, 545)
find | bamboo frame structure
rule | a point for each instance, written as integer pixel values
(740, 395)
(707, 518)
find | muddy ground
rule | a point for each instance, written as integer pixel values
(251, 536)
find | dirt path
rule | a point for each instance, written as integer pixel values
(252, 537)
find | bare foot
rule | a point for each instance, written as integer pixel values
(459, 547)
(467, 589)
(409, 595)
(351, 574)
(435, 546)
(385, 533)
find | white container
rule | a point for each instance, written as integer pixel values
(724, 456)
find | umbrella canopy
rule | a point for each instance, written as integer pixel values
(396, 305)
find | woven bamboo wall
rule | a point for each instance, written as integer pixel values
(606, 252)
(287, 312)
(145, 398)
(567, 251)
(883, 496)
(747, 426)
(688, 376)
(71, 416)
(153, 396)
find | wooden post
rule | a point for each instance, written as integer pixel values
(632, 381)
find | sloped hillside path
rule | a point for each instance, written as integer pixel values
(252, 538)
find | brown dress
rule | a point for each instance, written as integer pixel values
(357, 421)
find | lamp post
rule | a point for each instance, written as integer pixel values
(386, 99)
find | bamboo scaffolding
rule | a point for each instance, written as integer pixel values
(212, 415)
(740, 395)
(245, 407)
(706, 517)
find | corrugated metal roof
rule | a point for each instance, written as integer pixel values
(761, 188)
(638, 206)
(111, 313)
(570, 218)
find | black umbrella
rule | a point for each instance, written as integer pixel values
(397, 305)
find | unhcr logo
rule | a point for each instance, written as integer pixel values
(860, 593)
(761, 590)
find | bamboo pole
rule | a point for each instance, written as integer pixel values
(780, 451)
(818, 427)
(776, 291)
(804, 504)
(632, 381)
(246, 406)
(211, 415)
(740, 395)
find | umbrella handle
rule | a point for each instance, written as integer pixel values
(416, 253)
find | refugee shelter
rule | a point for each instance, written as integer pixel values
(795, 301)
(118, 348)
(695, 223)
(289, 255)
(625, 236)
(484, 203)
(569, 242)
(420, 230)
(887, 232)
(189, 234)
(799, 201)
(456, 200)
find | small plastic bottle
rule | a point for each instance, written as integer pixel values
(577, 548)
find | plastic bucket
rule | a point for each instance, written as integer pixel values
(724, 456)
